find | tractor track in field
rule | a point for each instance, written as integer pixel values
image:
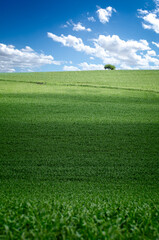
(16, 81)
(85, 85)
(109, 87)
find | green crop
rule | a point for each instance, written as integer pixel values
(79, 155)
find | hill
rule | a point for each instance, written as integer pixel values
(78, 139)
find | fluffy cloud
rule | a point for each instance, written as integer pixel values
(151, 18)
(115, 50)
(24, 59)
(105, 14)
(86, 66)
(111, 49)
(72, 41)
(70, 68)
(153, 21)
(79, 27)
(115, 45)
(151, 53)
(91, 19)
(76, 27)
(156, 44)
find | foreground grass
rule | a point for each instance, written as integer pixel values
(93, 217)
(79, 155)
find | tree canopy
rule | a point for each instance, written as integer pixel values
(109, 67)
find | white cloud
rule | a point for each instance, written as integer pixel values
(92, 58)
(72, 41)
(112, 49)
(152, 59)
(69, 23)
(115, 45)
(105, 14)
(117, 51)
(70, 68)
(156, 2)
(156, 44)
(91, 19)
(126, 67)
(65, 26)
(58, 63)
(26, 49)
(78, 27)
(151, 53)
(26, 58)
(86, 66)
(151, 18)
(140, 11)
(153, 22)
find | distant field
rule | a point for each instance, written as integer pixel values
(79, 155)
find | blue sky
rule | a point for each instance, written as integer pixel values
(56, 35)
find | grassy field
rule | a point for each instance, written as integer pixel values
(79, 155)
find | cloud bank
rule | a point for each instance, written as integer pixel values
(24, 59)
(84, 66)
(111, 49)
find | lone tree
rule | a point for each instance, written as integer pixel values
(109, 67)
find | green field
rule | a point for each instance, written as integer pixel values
(79, 155)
